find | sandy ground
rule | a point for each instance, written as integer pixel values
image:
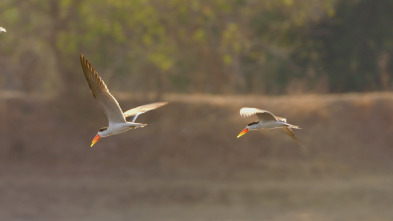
(52, 196)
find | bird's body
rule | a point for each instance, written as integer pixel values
(116, 118)
(118, 128)
(266, 120)
(2, 29)
(266, 125)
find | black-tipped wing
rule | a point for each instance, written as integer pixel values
(101, 93)
(261, 114)
(135, 112)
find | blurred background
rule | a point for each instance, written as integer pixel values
(325, 65)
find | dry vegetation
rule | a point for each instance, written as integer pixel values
(188, 165)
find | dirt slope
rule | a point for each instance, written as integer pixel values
(188, 165)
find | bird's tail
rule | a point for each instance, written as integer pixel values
(292, 126)
(136, 125)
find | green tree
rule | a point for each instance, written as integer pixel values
(354, 47)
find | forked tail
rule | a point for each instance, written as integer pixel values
(134, 125)
(293, 126)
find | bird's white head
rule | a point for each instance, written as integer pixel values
(101, 133)
(250, 126)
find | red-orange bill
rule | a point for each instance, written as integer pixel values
(96, 138)
(242, 133)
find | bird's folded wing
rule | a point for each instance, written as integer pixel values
(101, 93)
(135, 112)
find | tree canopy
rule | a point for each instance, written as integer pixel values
(203, 46)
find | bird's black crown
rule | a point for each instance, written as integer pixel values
(103, 129)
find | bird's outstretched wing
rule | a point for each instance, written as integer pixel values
(261, 114)
(289, 131)
(101, 93)
(135, 112)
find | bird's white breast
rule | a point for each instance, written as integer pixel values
(267, 125)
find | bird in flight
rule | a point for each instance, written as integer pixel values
(2, 29)
(266, 120)
(116, 117)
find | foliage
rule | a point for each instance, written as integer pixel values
(220, 46)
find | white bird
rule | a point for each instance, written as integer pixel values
(116, 117)
(267, 120)
(2, 29)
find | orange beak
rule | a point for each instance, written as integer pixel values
(242, 133)
(96, 138)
